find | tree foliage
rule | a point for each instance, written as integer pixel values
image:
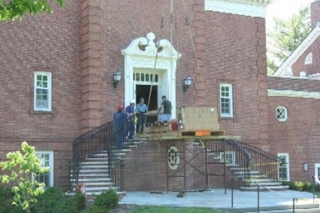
(22, 169)
(286, 36)
(13, 9)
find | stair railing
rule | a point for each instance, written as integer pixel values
(264, 162)
(98, 140)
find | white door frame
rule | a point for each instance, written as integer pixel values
(149, 57)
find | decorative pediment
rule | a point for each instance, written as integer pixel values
(254, 8)
(147, 47)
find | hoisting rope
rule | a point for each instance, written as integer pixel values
(191, 33)
(156, 58)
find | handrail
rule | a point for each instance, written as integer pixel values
(98, 140)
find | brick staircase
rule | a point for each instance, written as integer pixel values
(94, 172)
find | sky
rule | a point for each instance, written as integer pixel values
(284, 9)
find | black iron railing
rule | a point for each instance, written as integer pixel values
(243, 159)
(101, 139)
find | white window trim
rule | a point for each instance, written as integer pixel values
(308, 59)
(230, 114)
(286, 155)
(233, 160)
(51, 165)
(48, 74)
(285, 114)
(316, 166)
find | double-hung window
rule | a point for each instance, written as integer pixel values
(42, 91)
(283, 167)
(229, 157)
(46, 161)
(226, 100)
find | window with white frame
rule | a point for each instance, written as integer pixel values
(308, 59)
(226, 100)
(281, 113)
(283, 167)
(317, 170)
(46, 161)
(42, 91)
(229, 157)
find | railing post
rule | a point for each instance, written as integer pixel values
(294, 204)
(258, 199)
(232, 179)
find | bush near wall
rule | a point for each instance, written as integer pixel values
(54, 200)
(302, 186)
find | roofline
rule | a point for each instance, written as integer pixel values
(303, 46)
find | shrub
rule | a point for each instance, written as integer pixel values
(74, 204)
(50, 201)
(107, 200)
(299, 185)
(95, 209)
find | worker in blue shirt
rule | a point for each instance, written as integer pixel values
(120, 120)
(131, 121)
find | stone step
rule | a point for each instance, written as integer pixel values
(263, 188)
(241, 173)
(89, 170)
(93, 166)
(94, 179)
(269, 183)
(104, 162)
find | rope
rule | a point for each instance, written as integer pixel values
(187, 22)
(156, 58)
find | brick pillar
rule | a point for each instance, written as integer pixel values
(200, 82)
(91, 64)
(262, 80)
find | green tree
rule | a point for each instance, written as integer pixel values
(13, 9)
(23, 167)
(286, 36)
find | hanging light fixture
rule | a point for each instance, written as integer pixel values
(116, 78)
(187, 82)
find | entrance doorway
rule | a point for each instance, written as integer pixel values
(144, 91)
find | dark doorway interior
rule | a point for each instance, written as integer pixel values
(144, 91)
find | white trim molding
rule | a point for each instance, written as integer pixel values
(145, 55)
(253, 8)
(305, 44)
(293, 94)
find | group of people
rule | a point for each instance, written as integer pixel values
(126, 121)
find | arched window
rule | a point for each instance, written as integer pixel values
(308, 59)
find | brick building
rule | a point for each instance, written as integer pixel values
(57, 77)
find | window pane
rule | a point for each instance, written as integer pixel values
(45, 162)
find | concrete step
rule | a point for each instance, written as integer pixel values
(269, 183)
(89, 162)
(263, 188)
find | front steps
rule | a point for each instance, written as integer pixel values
(256, 179)
(94, 172)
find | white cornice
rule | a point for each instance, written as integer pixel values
(305, 44)
(254, 8)
(293, 94)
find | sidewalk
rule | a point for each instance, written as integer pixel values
(219, 200)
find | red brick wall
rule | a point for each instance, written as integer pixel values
(315, 12)
(41, 43)
(62, 150)
(81, 45)
(299, 135)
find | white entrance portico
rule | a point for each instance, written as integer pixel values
(151, 63)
